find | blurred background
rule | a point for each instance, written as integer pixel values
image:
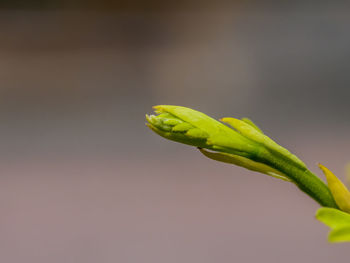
(83, 180)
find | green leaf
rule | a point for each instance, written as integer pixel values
(338, 221)
(340, 235)
(333, 217)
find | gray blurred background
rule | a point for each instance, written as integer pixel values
(83, 180)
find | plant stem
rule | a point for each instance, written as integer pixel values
(302, 177)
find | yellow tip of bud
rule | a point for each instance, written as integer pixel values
(227, 119)
(339, 191)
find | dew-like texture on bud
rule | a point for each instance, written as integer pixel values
(339, 191)
(255, 135)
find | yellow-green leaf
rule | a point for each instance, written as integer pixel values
(340, 235)
(339, 191)
(245, 162)
(332, 217)
(338, 221)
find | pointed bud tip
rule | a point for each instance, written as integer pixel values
(163, 108)
(226, 119)
(158, 109)
(339, 191)
(233, 122)
(324, 169)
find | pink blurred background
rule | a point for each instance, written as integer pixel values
(83, 180)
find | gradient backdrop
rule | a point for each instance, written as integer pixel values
(83, 180)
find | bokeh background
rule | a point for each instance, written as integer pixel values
(83, 180)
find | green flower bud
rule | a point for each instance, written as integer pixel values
(245, 145)
(192, 127)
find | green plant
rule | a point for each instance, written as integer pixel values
(247, 146)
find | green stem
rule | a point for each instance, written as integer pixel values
(302, 177)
